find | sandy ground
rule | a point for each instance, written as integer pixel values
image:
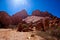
(8, 34)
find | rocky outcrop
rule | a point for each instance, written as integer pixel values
(22, 14)
(45, 14)
(33, 19)
(37, 19)
(17, 18)
(41, 14)
(4, 19)
(36, 13)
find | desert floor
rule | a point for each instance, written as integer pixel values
(9, 34)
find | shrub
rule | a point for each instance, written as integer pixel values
(56, 33)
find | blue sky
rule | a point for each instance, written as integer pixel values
(13, 6)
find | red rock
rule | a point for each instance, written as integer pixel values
(22, 14)
(5, 18)
(36, 13)
(17, 18)
(41, 14)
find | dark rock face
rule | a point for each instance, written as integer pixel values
(41, 14)
(22, 14)
(17, 18)
(36, 13)
(45, 14)
(4, 19)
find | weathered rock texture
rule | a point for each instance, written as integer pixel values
(17, 18)
(4, 19)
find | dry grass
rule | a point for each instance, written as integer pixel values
(9, 34)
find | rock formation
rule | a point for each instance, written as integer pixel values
(4, 19)
(17, 18)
